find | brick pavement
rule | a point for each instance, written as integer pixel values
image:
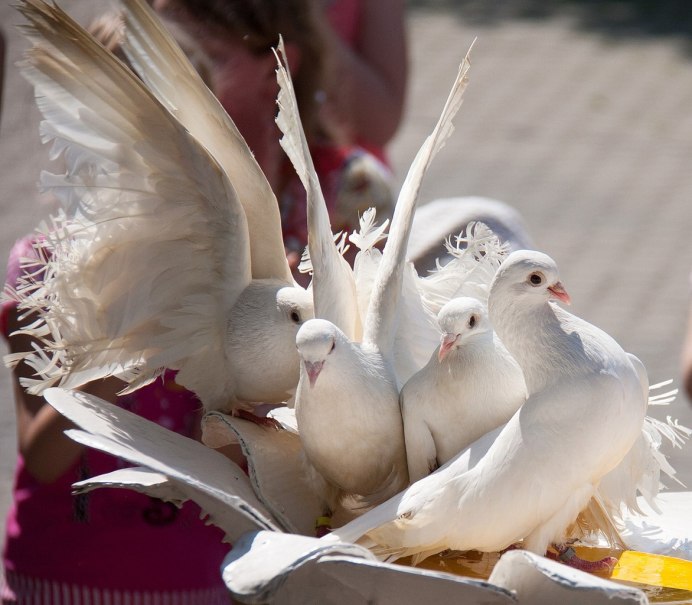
(584, 125)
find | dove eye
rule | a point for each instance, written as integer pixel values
(472, 321)
(536, 279)
(295, 317)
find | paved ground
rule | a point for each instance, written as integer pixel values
(580, 115)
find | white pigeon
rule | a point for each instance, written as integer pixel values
(173, 256)
(347, 401)
(584, 411)
(470, 386)
(473, 259)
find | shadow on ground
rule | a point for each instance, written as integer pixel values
(616, 18)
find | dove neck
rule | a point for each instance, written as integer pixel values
(535, 337)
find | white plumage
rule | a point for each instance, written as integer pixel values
(348, 417)
(585, 409)
(347, 401)
(172, 257)
(470, 386)
(333, 285)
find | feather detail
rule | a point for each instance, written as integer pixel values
(640, 471)
(142, 194)
(369, 233)
(168, 73)
(475, 256)
(342, 247)
(380, 324)
(333, 287)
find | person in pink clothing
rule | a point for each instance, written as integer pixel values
(119, 546)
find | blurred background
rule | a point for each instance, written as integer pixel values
(578, 113)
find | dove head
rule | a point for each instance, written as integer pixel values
(527, 277)
(461, 320)
(316, 340)
(295, 305)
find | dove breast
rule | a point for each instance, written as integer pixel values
(470, 386)
(349, 419)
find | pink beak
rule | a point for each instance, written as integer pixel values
(313, 368)
(558, 291)
(446, 343)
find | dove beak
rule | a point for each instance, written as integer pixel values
(446, 343)
(558, 291)
(313, 368)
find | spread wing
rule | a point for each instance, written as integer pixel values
(180, 468)
(142, 276)
(165, 69)
(380, 324)
(333, 284)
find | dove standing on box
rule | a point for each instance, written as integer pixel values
(585, 409)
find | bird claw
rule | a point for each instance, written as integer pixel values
(568, 556)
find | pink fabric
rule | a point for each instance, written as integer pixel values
(344, 17)
(22, 248)
(111, 538)
(42, 592)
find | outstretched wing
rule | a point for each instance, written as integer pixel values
(380, 323)
(144, 274)
(165, 69)
(191, 470)
(333, 285)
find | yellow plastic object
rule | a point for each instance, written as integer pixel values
(653, 570)
(663, 579)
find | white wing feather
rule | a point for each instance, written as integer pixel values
(380, 324)
(368, 258)
(475, 256)
(333, 285)
(171, 77)
(640, 471)
(144, 275)
(197, 472)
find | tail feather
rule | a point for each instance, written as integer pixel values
(475, 257)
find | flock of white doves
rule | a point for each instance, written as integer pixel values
(168, 254)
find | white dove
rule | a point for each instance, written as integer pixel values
(473, 259)
(470, 386)
(585, 409)
(173, 257)
(347, 401)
